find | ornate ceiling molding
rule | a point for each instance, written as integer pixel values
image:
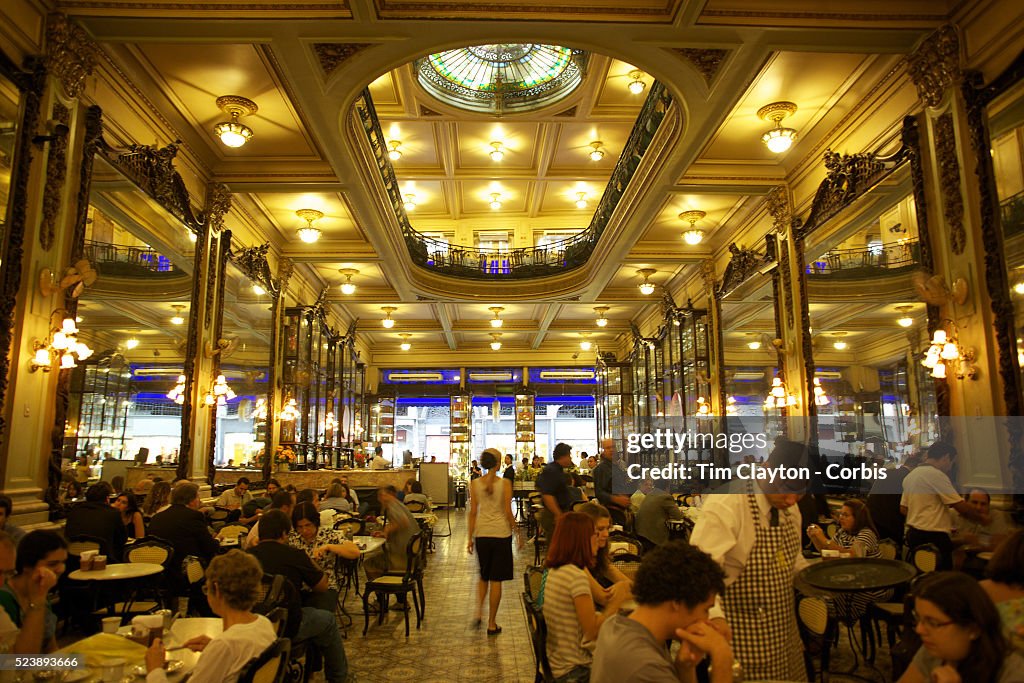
(935, 65)
(70, 53)
(332, 55)
(706, 60)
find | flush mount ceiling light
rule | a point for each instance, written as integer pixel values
(693, 235)
(393, 152)
(388, 322)
(646, 287)
(585, 343)
(497, 152)
(596, 154)
(496, 341)
(405, 345)
(232, 133)
(347, 287)
(309, 234)
(601, 321)
(177, 318)
(581, 200)
(495, 200)
(778, 139)
(906, 320)
(496, 321)
(410, 202)
(636, 85)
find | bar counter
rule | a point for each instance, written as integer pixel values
(320, 479)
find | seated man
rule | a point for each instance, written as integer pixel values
(657, 508)
(184, 526)
(317, 625)
(401, 527)
(235, 499)
(674, 588)
(96, 518)
(977, 535)
(282, 501)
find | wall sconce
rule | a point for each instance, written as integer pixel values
(290, 411)
(945, 354)
(497, 152)
(778, 139)
(309, 234)
(601, 321)
(330, 423)
(496, 321)
(596, 154)
(646, 287)
(347, 287)
(63, 344)
(820, 397)
(778, 396)
(692, 236)
(232, 133)
(220, 393)
(636, 85)
(388, 322)
(177, 394)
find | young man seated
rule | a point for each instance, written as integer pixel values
(674, 588)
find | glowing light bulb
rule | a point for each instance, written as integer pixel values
(348, 288)
(692, 237)
(497, 152)
(754, 345)
(131, 343)
(839, 345)
(905, 321)
(258, 291)
(388, 323)
(581, 200)
(939, 371)
(647, 288)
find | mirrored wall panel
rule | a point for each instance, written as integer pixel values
(9, 120)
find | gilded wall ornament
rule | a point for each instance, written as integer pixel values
(707, 274)
(935, 65)
(332, 55)
(949, 178)
(56, 172)
(779, 209)
(706, 60)
(70, 53)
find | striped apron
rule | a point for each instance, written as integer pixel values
(759, 605)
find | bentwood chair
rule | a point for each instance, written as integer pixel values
(925, 558)
(818, 630)
(270, 666)
(539, 639)
(532, 579)
(395, 584)
(626, 563)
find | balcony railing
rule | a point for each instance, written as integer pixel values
(1012, 214)
(118, 259)
(867, 262)
(524, 262)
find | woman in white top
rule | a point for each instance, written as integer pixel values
(232, 584)
(491, 525)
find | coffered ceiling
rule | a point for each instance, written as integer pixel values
(305, 63)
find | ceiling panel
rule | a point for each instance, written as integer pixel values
(337, 223)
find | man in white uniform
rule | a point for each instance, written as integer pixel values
(753, 532)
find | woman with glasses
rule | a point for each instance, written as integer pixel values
(40, 553)
(322, 545)
(572, 620)
(232, 588)
(961, 635)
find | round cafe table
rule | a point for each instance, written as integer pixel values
(118, 572)
(856, 574)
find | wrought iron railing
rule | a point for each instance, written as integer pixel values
(867, 261)
(118, 259)
(523, 262)
(1011, 210)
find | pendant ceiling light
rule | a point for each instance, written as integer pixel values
(232, 133)
(496, 321)
(497, 152)
(585, 344)
(646, 287)
(581, 200)
(388, 322)
(394, 153)
(601, 321)
(410, 202)
(495, 200)
(405, 345)
(177, 318)
(905, 320)
(636, 84)
(309, 234)
(347, 287)
(778, 139)
(495, 341)
(693, 235)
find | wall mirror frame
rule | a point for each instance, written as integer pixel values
(748, 272)
(24, 86)
(850, 203)
(993, 109)
(158, 188)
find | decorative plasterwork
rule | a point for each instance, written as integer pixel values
(332, 55)
(70, 53)
(253, 262)
(152, 169)
(707, 274)
(56, 172)
(706, 60)
(949, 179)
(935, 65)
(779, 209)
(559, 10)
(744, 264)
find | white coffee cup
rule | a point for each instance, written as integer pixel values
(112, 670)
(111, 624)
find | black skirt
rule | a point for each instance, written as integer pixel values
(495, 556)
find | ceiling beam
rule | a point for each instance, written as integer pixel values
(549, 316)
(441, 314)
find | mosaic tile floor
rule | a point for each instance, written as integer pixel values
(447, 648)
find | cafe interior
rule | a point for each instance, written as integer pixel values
(264, 239)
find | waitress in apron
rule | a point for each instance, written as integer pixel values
(754, 533)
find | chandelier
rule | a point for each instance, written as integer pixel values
(63, 344)
(820, 397)
(290, 412)
(945, 354)
(177, 394)
(778, 397)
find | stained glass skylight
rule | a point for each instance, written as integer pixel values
(501, 77)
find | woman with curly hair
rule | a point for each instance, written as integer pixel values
(232, 588)
(158, 500)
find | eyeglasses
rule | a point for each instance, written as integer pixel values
(927, 622)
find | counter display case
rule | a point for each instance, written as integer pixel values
(526, 436)
(615, 415)
(460, 436)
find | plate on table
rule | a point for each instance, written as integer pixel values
(171, 666)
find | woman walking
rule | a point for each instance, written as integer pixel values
(491, 525)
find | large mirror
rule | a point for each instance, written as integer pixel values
(749, 357)
(10, 118)
(125, 401)
(868, 329)
(245, 362)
